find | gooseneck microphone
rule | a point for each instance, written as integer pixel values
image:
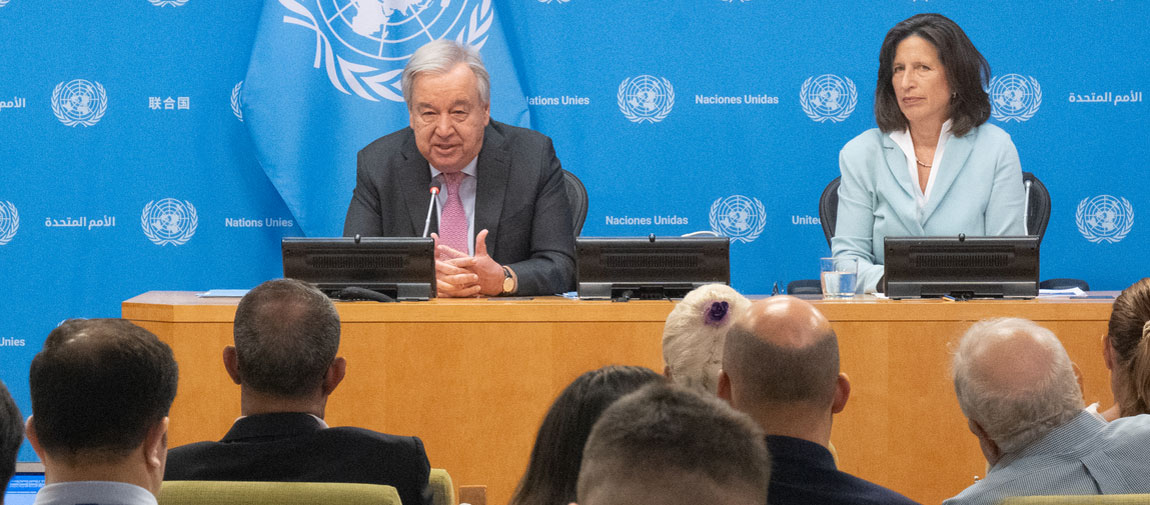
(430, 207)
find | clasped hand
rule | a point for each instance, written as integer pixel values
(458, 275)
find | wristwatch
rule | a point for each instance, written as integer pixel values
(508, 282)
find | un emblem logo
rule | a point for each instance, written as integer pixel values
(79, 102)
(165, 3)
(169, 221)
(236, 100)
(3, 3)
(9, 220)
(364, 44)
(646, 98)
(1104, 218)
(1014, 97)
(828, 98)
(739, 217)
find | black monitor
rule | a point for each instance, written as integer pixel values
(401, 268)
(962, 267)
(649, 267)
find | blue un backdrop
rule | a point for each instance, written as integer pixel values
(169, 144)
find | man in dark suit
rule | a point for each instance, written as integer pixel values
(781, 366)
(504, 221)
(284, 359)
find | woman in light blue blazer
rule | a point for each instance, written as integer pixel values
(933, 166)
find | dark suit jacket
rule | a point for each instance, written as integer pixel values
(803, 472)
(293, 447)
(520, 199)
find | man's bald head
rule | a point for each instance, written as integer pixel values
(1014, 379)
(783, 351)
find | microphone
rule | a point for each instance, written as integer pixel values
(430, 207)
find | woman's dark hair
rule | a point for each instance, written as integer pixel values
(1129, 332)
(553, 470)
(967, 73)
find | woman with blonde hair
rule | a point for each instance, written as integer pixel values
(694, 333)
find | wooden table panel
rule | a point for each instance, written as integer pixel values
(473, 378)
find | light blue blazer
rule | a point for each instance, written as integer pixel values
(978, 191)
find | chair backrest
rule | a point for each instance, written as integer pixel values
(829, 208)
(442, 489)
(577, 194)
(200, 492)
(1103, 499)
(1037, 206)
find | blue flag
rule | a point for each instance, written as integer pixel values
(324, 81)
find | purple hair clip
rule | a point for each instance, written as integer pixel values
(716, 313)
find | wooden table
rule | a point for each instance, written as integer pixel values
(473, 378)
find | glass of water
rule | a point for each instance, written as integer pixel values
(839, 277)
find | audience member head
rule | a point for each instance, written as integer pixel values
(694, 333)
(667, 444)
(967, 73)
(781, 366)
(286, 338)
(101, 391)
(1014, 382)
(1127, 349)
(11, 435)
(554, 467)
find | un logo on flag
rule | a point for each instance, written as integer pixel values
(364, 44)
(1104, 218)
(9, 219)
(79, 102)
(646, 98)
(828, 98)
(739, 217)
(1014, 97)
(3, 3)
(169, 221)
(236, 100)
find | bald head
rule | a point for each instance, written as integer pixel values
(783, 351)
(1014, 379)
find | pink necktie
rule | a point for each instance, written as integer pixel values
(453, 221)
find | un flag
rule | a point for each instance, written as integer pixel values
(323, 82)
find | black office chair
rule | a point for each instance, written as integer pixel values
(1037, 206)
(805, 287)
(829, 208)
(577, 194)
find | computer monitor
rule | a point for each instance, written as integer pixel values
(962, 267)
(401, 268)
(649, 267)
(27, 481)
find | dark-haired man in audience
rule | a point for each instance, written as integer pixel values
(665, 444)
(1020, 394)
(101, 390)
(11, 435)
(284, 359)
(781, 366)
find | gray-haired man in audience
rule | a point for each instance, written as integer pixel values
(1020, 394)
(668, 445)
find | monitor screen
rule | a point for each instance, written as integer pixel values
(962, 267)
(649, 267)
(25, 484)
(401, 268)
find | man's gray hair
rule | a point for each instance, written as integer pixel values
(694, 334)
(439, 57)
(1015, 407)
